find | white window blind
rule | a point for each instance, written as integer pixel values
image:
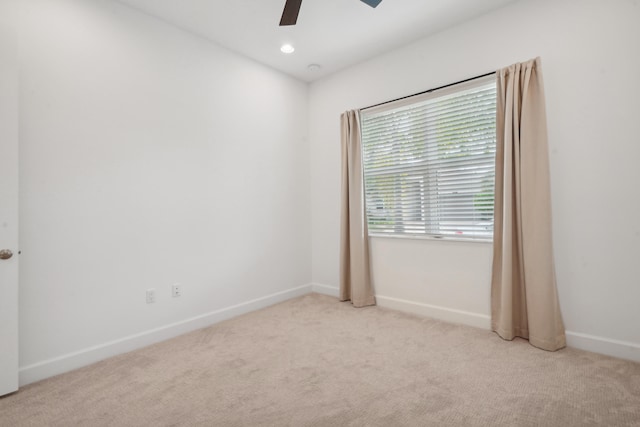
(429, 163)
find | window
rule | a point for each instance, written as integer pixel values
(429, 163)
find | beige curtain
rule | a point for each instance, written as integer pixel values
(355, 275)
(523, 290)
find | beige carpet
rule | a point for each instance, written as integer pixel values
(314, 361)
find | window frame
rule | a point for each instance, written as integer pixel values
(415, 100)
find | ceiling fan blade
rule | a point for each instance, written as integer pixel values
(372, 3)
(290, 12)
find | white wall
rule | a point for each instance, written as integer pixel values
(148, 157)
(591, 64)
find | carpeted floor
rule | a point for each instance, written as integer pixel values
(314, 361)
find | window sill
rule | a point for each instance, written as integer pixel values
(432, 238)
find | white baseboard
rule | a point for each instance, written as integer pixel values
(441, 313)
(65, 363)
(332, 291)
(610, 347)
(48, 368)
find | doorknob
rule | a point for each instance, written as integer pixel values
(5, 254)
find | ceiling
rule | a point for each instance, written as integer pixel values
(331, 33)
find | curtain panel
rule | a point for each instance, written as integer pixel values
(524, 300)
(355, 273)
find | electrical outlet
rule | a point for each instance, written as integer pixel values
(176, 290)
(151, 296)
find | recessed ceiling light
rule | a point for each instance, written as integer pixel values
(314, 67)
(287, 48)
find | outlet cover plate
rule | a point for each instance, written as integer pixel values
(176, 290)
(151, 296)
